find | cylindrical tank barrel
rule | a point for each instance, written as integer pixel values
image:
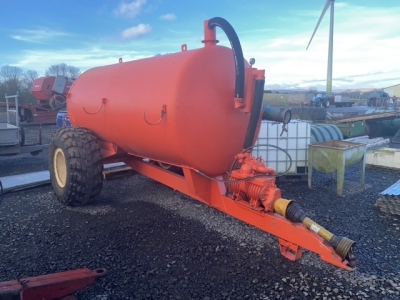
(176, 108)
(325, 132)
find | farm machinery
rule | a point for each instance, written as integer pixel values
(12, 136)
(321, 99)
(50, 93)
(188, 120)
(378, 98)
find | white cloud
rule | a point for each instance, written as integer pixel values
(37, 35)
(85, 57)
(130, 10)
(364, 51)
(168, 17)
(136, 31)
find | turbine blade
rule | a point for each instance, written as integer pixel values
(327, 4)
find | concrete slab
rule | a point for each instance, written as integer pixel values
(28, 180)
(384, 157)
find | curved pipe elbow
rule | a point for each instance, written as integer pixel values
(237, 52)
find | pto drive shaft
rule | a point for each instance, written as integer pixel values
(294, 213)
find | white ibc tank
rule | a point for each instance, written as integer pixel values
(295, 141)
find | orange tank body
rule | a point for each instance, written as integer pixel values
(201, 127)
(200, 110)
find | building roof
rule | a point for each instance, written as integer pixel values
(392, 86)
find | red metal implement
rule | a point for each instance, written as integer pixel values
(49, 287)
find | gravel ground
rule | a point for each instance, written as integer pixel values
(158, 244)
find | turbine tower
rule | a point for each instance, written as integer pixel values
(331, 4)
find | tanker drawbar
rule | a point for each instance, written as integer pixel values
(194, 132)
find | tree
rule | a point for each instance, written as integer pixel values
(28, 78)
(54, 70)
(8, 72)
(11, 78)
(73, 72)
(64, 70)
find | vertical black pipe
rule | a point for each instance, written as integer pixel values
(239, 85)
(237, 52)
(255, 114)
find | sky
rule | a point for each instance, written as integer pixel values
(88, 33)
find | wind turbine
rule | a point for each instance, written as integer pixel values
(331, 4)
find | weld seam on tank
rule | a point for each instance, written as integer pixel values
(237, 51)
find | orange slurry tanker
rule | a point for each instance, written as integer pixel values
(188, 120)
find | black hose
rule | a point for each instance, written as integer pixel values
(276, 114)
(255, 114)
(237, 52)
(1, 192)
(266, 145)
(239, 84)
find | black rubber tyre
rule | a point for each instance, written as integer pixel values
(326, 104)
(34, 153)
(28, 116)
(21, 136)
(75, 166)
(58, 102)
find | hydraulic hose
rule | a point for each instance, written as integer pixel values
(255, 114)
(237, 52)
(239, 84)
(1, 192)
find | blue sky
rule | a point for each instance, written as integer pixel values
(89, 33)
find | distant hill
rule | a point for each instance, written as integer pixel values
(305, 91)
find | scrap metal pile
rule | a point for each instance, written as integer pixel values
(389, 199)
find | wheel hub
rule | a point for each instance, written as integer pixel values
(60, 168)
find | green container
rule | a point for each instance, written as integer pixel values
(352, 129)
(331, 156)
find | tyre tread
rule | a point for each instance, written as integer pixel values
(84, 165)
